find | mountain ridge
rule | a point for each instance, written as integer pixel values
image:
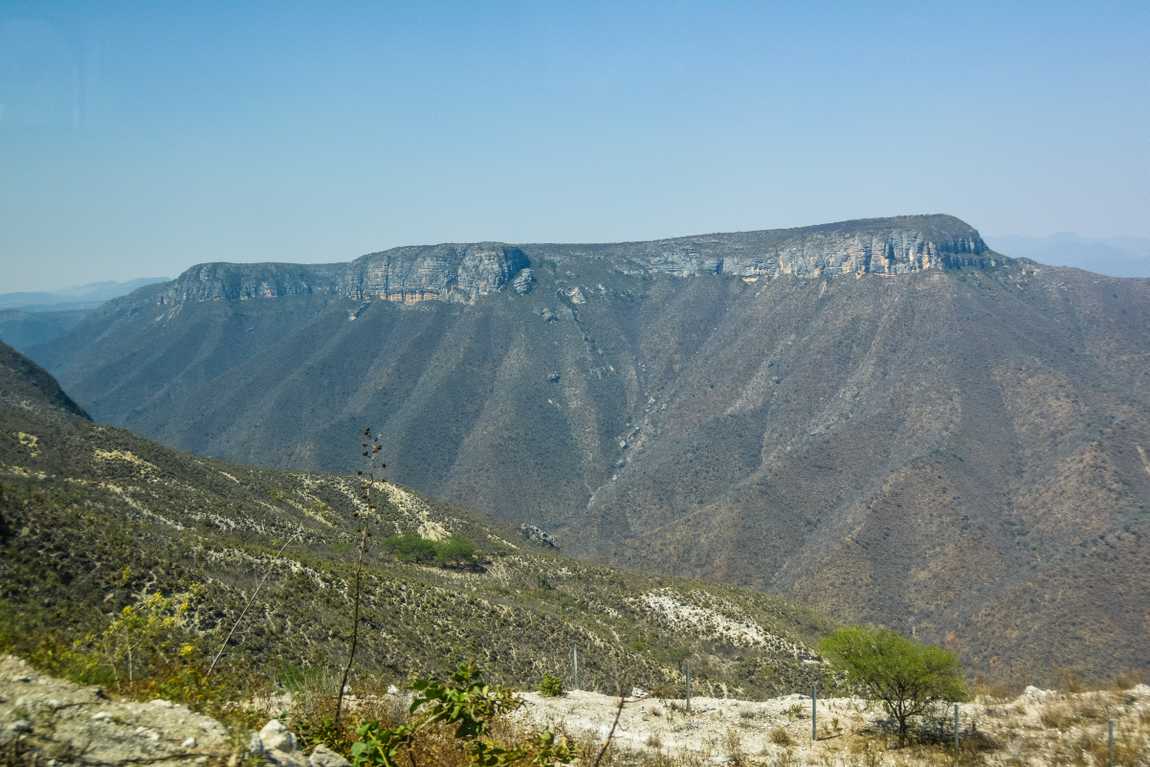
(941, 451)
(464, 272)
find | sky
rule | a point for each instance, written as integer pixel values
(137, 139)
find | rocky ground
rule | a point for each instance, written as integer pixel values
(1038, 728)
(47, 721)
(51, 722)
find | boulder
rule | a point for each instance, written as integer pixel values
(322, 756)
(51, 721)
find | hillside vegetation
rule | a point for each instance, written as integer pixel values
(92, 519)
(956, 445)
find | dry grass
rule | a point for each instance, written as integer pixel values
(780, 737)
(1057, 717)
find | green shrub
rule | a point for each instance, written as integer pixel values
(416, 549)
(455, 551)
(411, 548)
(551, 686)
(469, 708)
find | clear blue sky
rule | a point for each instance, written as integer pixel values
(140, 138)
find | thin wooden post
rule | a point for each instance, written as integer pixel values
(956, 724)
(1110, 743)
(575, 667)
(814, 713)
(687, 673)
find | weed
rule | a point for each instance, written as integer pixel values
(551, 686)
(468, 710)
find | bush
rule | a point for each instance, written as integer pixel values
(455, 551)
(468, 708)
(411, 548)
(906, 676)
(551, 686)
(416, 549)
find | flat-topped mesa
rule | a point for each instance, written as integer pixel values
(459, 273)
(878, 246)
(463, 273)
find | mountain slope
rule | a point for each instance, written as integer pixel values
(24, 329)
(25, 385)
(91, 516)
(883, 417)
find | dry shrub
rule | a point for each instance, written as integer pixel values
(1070, 681)
(1057, 716)
(1127, 751)
(1089, 710)
(733, 748)
(866, 753)
(1128, 679)
(780, 737)
(312, 717)
(994, 690)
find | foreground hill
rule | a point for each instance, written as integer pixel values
(881, 417)
(92, 516)
(70, 724)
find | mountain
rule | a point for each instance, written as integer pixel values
(92, 516)
(1116, 256)
(24, 385)
(30, 319)
(883, 418)
(23, 329)
(80, 297)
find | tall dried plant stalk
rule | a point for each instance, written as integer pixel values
(370, 450)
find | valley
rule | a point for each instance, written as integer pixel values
(94, 519)
(882, 419)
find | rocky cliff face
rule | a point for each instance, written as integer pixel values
(465, 273)
(460, 273)
(883, 245)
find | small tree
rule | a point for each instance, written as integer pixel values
(411, 548)
(455, 551)
(906, 676)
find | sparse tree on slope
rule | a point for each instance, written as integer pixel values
(906, 676)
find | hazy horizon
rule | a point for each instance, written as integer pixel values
(1119, 256)
(144, 141)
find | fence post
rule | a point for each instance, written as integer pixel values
(575, 664)
(814, 713)
(687, 672)
(956, 730)
(1110, 743)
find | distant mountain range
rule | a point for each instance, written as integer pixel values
(886, 418)
(1115, 256)
(81, 297)
(31, 318)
